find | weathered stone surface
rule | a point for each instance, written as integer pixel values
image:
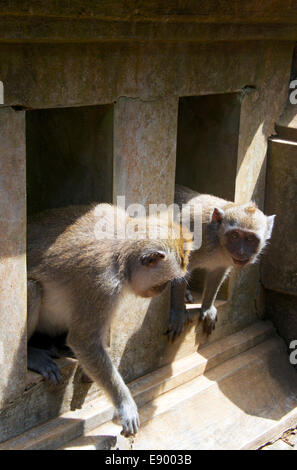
(286, 126)
(69, 156)
(44, 75)
(60, 30)
(278, 445)
(207, 142)
(279, 271)
(287, 441)
(144, 150)
(241, 404)
(43, 401)
(146, 80)
(281, 309)
(145, 20)
(73, 75)
(13, 282)
(260, 110)
(144, 168)
(212, 11)
(71, 424)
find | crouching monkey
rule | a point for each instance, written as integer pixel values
(79, 266)
(233, 236)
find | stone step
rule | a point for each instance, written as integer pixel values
(240, 404)
(286, 126)
(287, 134)
(58, 431)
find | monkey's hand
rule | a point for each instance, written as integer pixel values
(209, 317)
(178, 322)
(129, 416)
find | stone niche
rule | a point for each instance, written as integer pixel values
(69, 160)
(207, 143)
(69, 155)
(207, 149)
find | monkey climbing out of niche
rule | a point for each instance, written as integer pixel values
(76, 280)
(233, 236)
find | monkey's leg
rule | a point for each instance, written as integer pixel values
(178, 315)
(39, 360)
(208, 313)
(95, 360)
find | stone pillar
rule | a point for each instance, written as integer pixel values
(144, 172)
(279, 265)
(13, 284)
(279, 271)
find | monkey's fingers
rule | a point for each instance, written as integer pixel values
(53, 374)
(129, 417)
(209, 325)
(54, 377)
(130, 427)
(173, 332)
(189, 298)
(179, 324)
(41, 362)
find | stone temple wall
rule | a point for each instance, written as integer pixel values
(97, 107)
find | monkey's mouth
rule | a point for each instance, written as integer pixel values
(154, 291)
(160, 287)
(240, 262)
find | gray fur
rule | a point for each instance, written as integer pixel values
(75, 283)
(219, 219)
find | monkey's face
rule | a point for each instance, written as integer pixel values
(242, 246)
(243, 231)
(153, 271)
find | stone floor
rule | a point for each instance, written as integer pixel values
(288, 441)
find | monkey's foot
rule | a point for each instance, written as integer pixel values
(178, 322)
(129, 417)
(41, 361)
(188, 297)
(209, 318)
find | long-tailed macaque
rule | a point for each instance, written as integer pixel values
(81, 260)
(233, 235)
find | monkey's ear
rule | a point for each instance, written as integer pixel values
(152, 258)
(217, 215)
(270, 222)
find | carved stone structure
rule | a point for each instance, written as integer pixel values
(124, 98)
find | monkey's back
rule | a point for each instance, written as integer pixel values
(206, 202)
(58, 239)
(90, 240)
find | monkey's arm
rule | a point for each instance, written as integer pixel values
(212, 284)
(178, 315)
(96, 362)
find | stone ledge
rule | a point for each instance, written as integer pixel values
(72, 30)
(156, 10)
